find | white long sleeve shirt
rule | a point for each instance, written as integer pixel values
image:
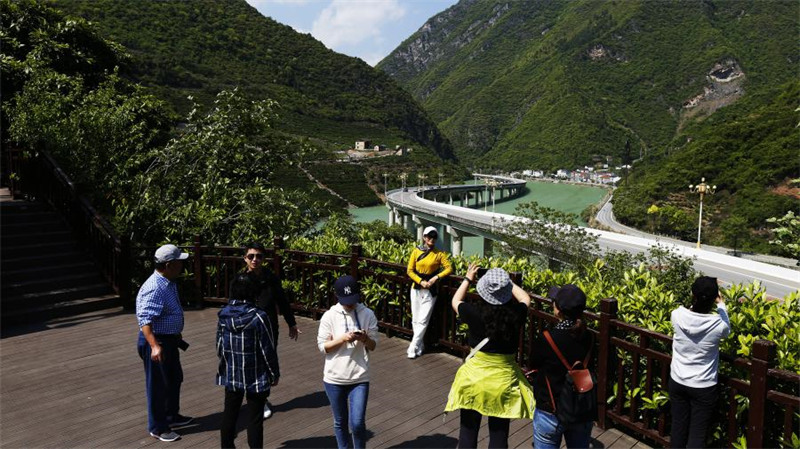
(695, 345)
(349, 363)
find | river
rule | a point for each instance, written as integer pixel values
(560, 196)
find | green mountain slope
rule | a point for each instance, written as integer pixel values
(549, 83)
(197, 48)
(750, 151)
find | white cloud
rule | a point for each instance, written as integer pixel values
(280, 2)
(374, 57)
(352, 22)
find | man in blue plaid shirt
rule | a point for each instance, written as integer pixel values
(248, 360)
(160, 317)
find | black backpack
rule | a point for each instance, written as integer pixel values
(577, 401)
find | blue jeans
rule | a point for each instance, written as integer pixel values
(352, 418)
(162, 382)
(547, 432)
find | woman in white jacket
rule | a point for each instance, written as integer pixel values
(347, 333)
(695, 363)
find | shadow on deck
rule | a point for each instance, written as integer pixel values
(78, 382)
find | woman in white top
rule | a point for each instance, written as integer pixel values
(695, 363)
(347, 333)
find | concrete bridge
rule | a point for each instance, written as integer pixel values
(447, 208)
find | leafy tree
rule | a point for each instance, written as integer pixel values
(735, 229)
(100, 135)
(379, 230)
(36, 38)
(217, 179)
(787, 234)
(553, 234)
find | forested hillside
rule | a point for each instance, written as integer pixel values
(547, 84)
(681, 90)
(197, 48)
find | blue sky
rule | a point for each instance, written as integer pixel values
(367, 29)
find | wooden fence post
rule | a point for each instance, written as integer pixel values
(198, 271)
(608, 312)
(125, 274)
(277, 263)
(355, 255)
(763, 359)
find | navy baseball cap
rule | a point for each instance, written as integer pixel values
(570, 299)
(346, 290)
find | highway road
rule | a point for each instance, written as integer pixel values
(777, 280)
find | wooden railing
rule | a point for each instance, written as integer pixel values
(38, 177)
(632, 363)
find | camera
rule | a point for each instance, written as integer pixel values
(482, 271)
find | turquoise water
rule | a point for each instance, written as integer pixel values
(563, 197)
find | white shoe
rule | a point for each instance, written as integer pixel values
(166, 436)
(267, 411)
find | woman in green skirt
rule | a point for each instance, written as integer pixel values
(490, 383)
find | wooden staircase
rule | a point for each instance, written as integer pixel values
(44, 272)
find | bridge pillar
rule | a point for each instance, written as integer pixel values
(502, 193)
(405, 221)
(487, 247)
(392, 216)
(457, 240)
(451, 198)
(444, 238)
(416, 225)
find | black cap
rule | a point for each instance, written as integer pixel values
(569, 299)
(346, 290)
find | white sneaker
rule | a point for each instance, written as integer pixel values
(267, 411)
(166, 436)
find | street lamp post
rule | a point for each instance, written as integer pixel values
(493, 184)
(403, 177)
(421, 177)
(702, 189)
(385, 175)
(485, 193)
(441, 175)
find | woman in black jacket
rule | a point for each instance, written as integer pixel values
(574, 341)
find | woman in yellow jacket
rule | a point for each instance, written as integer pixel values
(426, 266)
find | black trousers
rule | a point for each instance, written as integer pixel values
(255, 418)
(471, 423)
(692, 409)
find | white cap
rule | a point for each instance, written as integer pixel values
(430, 229)
(168, 253)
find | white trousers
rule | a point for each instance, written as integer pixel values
(421, 309)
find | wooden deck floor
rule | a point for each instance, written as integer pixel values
(78, 382)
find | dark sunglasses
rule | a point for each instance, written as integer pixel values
(254, 256)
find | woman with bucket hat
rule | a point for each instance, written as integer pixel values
(426, 266)
(348, 331)
(490, 383)
(570, 337)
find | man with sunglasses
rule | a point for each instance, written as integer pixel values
(271, 298)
